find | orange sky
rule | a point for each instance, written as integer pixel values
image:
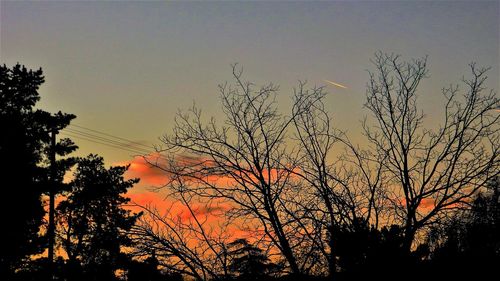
(126, 68)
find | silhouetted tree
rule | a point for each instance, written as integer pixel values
(93, 222)
(470, 242)
(24, 143)
(334, 194)
(365, 251)
(249, 262)
(281, 177)
(186, 242)
(148, 270)
(430, 172)
(251, 150)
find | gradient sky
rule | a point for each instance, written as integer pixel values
(126, 67)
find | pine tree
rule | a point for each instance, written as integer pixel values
(248, 262)
(92, 220)
(24, 142)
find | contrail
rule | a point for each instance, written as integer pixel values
(336, 84)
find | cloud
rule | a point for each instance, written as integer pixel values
(149, 198)
(427, 204)
(148, 173)
(172, 207)
(148, 170)
(210, 210)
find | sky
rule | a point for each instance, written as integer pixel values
(125, 68)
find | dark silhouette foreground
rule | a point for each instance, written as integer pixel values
(324, 237)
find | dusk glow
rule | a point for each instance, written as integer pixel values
(125, 68)
(249, 140)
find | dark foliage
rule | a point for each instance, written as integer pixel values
(148, 270)
(470, 242)
(249, 262)
(93, 222)
(364, 251)
(24, 142)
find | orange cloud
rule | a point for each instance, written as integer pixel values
(149, 198)
(159, 200)
(212, 213)
(427, 204)
(148, 170)
(148, 173)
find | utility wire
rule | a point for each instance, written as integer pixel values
(103, 143)
(109, 135)
(104, 139)
(118, 142)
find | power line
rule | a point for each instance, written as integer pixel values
(109, 135)
(102, 143)
(111, 141)
(117, 143)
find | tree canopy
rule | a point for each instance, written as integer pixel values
(93, 223)
(24, 143)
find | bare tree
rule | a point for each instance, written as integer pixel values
(343, 188)
(187, 242)
(299, 182)
(277, 172)
(241, 162)
(430, 172)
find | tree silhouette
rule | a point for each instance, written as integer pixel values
(249, 262)
(341, 216)
(188, 245)
(368, 252)
(470, 242)
(92, 220)
(24, 144)
(333, 196)
(148, 270)
(265, 178)
(430, 173)
(281, 175)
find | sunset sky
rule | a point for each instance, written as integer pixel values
(124, 68)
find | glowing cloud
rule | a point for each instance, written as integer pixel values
(140, 168)
(336, 84)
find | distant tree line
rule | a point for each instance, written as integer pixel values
(413, 199)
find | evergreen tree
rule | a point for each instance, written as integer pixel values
(249, 262)
(147, 270)
(24, 141)
(470, 242)
(93, 222)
